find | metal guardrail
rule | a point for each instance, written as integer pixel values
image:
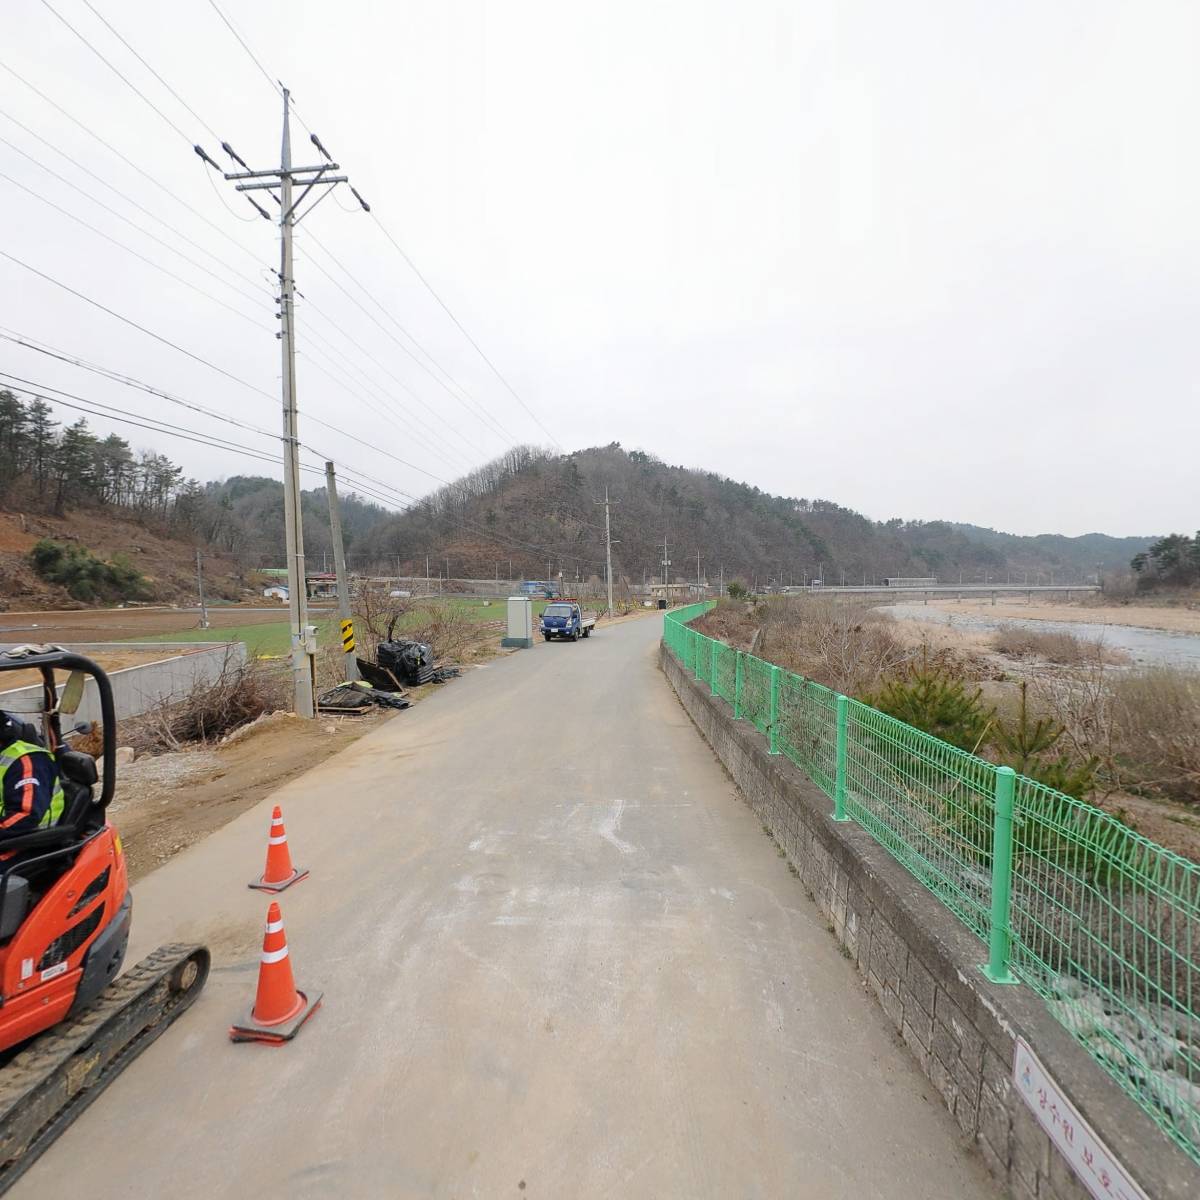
(1102, 922)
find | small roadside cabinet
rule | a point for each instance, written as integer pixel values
(519, 632)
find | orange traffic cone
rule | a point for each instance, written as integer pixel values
(279, 873)
(279, 1009)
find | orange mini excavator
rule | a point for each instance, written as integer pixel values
(68, 1025)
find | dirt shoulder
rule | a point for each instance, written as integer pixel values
(1144, 616)
(165, 802)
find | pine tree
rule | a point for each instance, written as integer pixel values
(929, 700)
(14, 433)
(41, 442)
(1028, 745)
(73, 465)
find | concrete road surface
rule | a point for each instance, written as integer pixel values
(560, 959)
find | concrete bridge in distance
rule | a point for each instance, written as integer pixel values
(949, 590)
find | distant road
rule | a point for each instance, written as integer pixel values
(560, 959)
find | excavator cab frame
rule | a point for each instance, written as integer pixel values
(65, 917)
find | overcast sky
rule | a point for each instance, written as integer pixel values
(931, 260)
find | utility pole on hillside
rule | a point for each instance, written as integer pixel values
(345, 616)
(283, 178)
(697, 572)
(200, 590)
(666, 562)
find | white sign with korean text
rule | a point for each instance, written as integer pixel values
(1097, 1169)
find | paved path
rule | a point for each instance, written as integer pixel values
(560, 959)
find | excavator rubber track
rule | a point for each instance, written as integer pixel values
(49, 1083)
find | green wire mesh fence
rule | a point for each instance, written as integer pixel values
(1101, 922)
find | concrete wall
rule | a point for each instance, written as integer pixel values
(923, 968)
(140, 688)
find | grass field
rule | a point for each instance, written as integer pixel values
(267, 639)
(272, 638)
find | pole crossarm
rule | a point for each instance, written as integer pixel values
(259, 187)
(279, 172)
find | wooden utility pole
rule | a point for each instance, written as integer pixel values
(200, 589)
(346, 617)
(607, 548)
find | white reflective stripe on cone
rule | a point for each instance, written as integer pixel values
(274, 926)
(277, 841)
(274, 956)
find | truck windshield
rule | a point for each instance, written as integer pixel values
(558, 610)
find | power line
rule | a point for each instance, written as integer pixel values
(100, 17)
(128, 249)
(242, 42)
(116, 71)
(127, 161)
(462, 329)
(495, 428)
(127, 418)
(483, 413)
(367, 397)
(381, 490)
(283, 283)
(177, 96)
(395, 379)
(183, 237)
(127, 321)
(62, 356)
(400, 249)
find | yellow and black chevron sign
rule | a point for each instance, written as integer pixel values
(348, 636)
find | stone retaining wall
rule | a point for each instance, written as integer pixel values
(923, 968)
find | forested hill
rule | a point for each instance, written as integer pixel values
(535, 508)
(527, 512)
(55, 471)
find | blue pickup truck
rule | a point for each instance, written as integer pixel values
(566, 620)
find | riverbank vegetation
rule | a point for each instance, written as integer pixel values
(1065, 710)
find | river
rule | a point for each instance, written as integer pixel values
(1146, 647)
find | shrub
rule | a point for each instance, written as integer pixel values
(1155, 713)
(737, 591)
(1054, 646)
(241, 693)
(85, 576)
(846, 647)
(1030, 745)
(929, 700)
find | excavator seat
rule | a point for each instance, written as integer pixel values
(14, 905)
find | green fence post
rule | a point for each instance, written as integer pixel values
(713, 656)
(737, 685)
(839, 788)
(999, 936)
(773, 716)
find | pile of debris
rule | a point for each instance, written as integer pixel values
(406, 663)
(398, 664)
(358, 697)
(412, 662)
